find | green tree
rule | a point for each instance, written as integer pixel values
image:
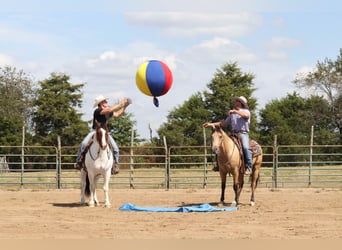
(56, 112)
(184, 123)
(326, 80)
(121, 130)
(16, 95)
(291, 118)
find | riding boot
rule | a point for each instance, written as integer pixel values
(80, 163)
(115, 168)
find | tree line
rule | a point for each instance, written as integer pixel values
(51, 107)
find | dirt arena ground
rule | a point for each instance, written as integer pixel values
(278, 214)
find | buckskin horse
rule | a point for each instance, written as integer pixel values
(98, 161)
(230, 160)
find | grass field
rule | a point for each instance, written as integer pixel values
(178, 178)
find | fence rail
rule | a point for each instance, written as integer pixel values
(169, 168)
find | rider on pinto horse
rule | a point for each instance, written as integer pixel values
(102, 114)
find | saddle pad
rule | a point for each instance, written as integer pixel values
(185, 209)
(255, 148)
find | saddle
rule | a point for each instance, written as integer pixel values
(85, 150)
(254, 147)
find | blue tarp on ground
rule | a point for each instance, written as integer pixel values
(185, 209)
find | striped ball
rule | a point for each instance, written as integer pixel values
(154, 78)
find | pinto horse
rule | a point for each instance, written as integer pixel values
(98, 161)
(230, 160)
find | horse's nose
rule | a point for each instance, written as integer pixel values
(214, 149)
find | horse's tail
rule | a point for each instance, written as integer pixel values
(87, 187)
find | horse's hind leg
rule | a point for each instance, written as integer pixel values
(254, 183)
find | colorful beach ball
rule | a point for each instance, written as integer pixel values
(154, 78)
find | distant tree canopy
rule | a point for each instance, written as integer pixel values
(17, 92)
(51, 108)
(121, 130)
(56, 112)
(183, 126)
(326, 81)
(291, 119)
(184, 123)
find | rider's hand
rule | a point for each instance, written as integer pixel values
(206, 124)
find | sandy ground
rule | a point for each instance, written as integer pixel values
(277, 214)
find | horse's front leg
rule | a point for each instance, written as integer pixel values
(83, 186)
(96, 201)
(237, 186)
(106, 187)
(223, 188)
(92, 185)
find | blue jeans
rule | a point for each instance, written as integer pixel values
(246, 152)
(86, 140)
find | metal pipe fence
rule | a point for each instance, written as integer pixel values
(170, 168)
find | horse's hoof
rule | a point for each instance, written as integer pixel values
(221, 204)
(252, 203)
(91, 205)
(108, 206)
(233, 204)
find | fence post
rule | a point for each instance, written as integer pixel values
(275, 163)
(22, 158)
(205, 159)
(131, 165)
(167, 165)
(58, 163)
(311, 152)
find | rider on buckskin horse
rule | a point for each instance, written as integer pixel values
(239, 119)
(102, 114)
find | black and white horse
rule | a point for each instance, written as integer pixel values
(98, 162)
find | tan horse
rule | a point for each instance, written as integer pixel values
(230, 161)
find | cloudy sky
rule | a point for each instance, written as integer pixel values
(102, 43)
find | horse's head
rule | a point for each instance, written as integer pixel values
(216, 139)
(101, 135)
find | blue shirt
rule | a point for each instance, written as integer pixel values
(238, 123)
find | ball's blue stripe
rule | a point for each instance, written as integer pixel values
(155, 77)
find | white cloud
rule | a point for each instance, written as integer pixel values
(5, 60)
(191, 24)
(283, 43)
(220, 50)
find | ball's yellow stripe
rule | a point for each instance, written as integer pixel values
(140, 79)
